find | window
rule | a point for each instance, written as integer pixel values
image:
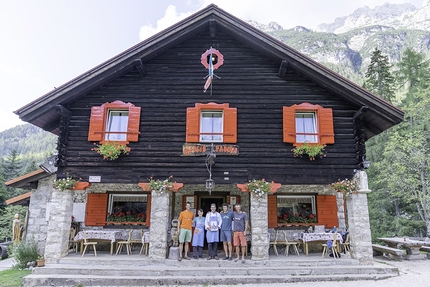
(211, 126)
(133, 205)
(306, 127)
(211, 123)
(116, 121)
(296, 209)
(308, 123)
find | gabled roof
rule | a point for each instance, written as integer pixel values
(27, 181)
(45, 111)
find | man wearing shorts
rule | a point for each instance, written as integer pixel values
(239, 231)
(185, 222)
(227, 218)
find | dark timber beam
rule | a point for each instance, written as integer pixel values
(360, 113)
(212, 30)
(283, 68)
(140, 67)
(62, 111)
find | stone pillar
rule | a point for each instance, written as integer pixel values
(160, 221)
(58, 232)
(259, 228)
(358, 221)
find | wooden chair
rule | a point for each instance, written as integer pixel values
(72, 243)
(135, 241)
(145, 245)
(334, 247)
(345, 245)
(126, 243)
(288, 244)
(274, 242)
(88, 243)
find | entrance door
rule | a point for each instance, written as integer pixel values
(206, 201)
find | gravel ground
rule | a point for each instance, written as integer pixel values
(412, 273)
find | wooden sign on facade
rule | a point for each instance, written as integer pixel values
(204, 149)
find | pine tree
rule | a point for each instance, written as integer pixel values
(31, 167)
(11, 168)
(413, 70)
(379, 79)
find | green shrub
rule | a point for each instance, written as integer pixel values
(24, 252)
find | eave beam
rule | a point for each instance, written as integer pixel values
(283, 69)
(140, 67)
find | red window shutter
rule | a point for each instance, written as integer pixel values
(193, 125)
(327, 210)
(97, 128)
(148, 210)
(230, 125)
(133, 124)
(289, 124)
(272, 216)
(96, 211)
(325, 117)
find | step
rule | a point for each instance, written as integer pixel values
(61, 280)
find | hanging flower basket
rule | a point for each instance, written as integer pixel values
(313, 151)
(112, 150)
(346, 186)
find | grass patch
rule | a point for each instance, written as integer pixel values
(12, 277)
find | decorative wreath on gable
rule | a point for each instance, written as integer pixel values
(217, 62)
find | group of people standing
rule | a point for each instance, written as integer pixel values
(225, 226)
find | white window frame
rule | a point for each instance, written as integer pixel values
(310, 127)
(117, 121)
(203, 127)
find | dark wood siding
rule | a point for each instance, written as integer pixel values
(174, 82)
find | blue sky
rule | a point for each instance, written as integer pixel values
(46, 43)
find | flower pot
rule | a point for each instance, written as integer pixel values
(40, 262)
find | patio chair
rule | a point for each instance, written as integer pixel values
(274, 242)
(333, 247)
(145, 245)
(137, 240)
(127, 244)
(89, 243)
(345, 245)
(288, 244)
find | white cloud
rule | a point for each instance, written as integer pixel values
(171, 16)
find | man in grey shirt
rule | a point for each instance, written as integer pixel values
(239, 231)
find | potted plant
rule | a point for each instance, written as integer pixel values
(312, 150)
(161, 185)
(259, 188)
(112, 150)
(65, 183)
(346, 186)
(40, 261)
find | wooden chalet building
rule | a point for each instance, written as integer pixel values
(265, 98)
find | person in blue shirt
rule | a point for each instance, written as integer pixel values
(199, 235)
(227, 218)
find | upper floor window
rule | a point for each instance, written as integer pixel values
(306, 127)
(211, 123)
(211, 126)
(116, 121)
(308, 123)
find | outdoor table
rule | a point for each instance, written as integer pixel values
(106, 235)
(323, 237)
(412, 246)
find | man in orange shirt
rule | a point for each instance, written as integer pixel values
(185, 222)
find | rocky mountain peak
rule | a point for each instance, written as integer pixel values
(272, 26)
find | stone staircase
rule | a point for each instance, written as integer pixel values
(135, 270)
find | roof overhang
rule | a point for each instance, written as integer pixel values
(28, 181)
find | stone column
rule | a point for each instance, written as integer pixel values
(259, 228)
(358, 221)
(58, 232)
(160, 214)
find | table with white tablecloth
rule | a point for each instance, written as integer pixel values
(323, 237)
(102, 235)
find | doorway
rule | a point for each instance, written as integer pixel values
(205, 202)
